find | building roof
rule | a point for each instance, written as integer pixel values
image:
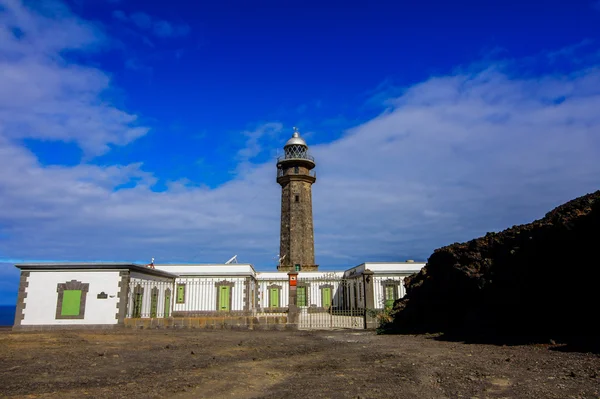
(94, 266)
(209, 269)
(296, 140)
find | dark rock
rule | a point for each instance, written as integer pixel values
(529, 283)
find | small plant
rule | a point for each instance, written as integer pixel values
(384, 317)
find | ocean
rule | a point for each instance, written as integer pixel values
(7, 315)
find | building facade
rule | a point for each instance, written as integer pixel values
(53, 295)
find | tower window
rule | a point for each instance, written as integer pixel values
(296, 170)
(297, 198)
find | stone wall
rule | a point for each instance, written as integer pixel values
(297, 232)
(214, 322)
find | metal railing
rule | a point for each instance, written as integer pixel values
(323, 302)
(290, 172)
(287, 157)
(330, 302)
(191, 297)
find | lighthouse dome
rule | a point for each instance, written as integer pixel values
(296, 140)
(296, 153)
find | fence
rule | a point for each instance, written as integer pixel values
(321, 301)
(329, 301)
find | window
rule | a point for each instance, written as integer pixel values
(180, 293)
(71, 303)
(71, 297)
(296, 170)
(297, 198)
(301, 296)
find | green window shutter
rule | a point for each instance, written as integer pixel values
(137, 304)
(326, 297)
(167, 303)
(154, 304)
(224, 292)
(390, 296)
(181, 293)
(301, 296)
(274, 298)
(71, 303)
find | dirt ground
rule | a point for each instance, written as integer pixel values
(270, 364)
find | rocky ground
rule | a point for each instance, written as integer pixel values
(253, 364)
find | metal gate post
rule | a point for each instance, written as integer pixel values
(293, 311)
(369, 320)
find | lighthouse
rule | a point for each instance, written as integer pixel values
(296, 176)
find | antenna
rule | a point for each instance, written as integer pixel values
(232, 260)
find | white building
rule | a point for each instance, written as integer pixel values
(106, 294)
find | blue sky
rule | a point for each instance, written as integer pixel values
(132, 129)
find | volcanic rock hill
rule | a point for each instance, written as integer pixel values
(539, 281)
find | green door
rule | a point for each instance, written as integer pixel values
(326, 297)
(301, 295)
(224, 292)
(390, 296)
(167, 303)
(274, 298)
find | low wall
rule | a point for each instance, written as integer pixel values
(54, 327)
(214, 322)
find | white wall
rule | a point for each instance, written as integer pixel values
(42, 297)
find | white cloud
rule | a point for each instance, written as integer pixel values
(158, 27)
(44, 97)
(453, 157)
(253, 138)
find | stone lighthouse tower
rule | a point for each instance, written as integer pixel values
(296, 176)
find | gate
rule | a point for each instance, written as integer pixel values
(329, 302)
